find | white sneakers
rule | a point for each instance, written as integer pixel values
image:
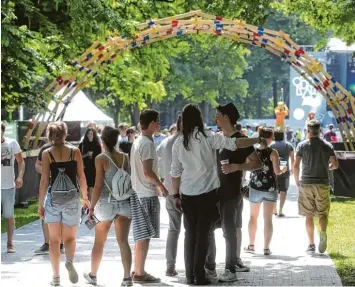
(323, 242)
(228, 276)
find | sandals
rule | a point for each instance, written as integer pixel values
(267, 251)
(249, 249)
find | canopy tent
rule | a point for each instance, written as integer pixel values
(81, 109)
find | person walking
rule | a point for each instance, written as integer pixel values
(108, 210)
(44, 249)
(286, 152)
(90, 148)
(195, 177)
(61, 167)
(230, 166)
(317, 157)
(263, 190)
(10, 150)
(164, 151)
(146, 183)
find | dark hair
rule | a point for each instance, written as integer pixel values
(110, 137)
(146, 117)
(266, 133)
(191, 118)
(279, 135)
(178, 123)
(238, 127)
(3, 127)
(257, 128)
(57, 132)
(96, 137)
(313, 127)
(130, 130)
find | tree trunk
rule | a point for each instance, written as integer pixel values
(134, 113)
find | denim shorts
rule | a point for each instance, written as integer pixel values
(68, 214)
(8, 202)
(256, 196)
(107, 211)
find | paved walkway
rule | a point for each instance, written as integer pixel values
(289, 264)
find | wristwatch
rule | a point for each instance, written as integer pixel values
(176, 196)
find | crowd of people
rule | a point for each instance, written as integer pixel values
(118, 177)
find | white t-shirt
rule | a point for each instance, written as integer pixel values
(143, 149)
(9, 148)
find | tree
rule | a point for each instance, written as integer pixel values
(324, 15)
(267, 73)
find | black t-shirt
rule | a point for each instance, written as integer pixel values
(231, 183)
(126, 147)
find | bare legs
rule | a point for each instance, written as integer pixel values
(268, 208)
(10, 224)
(45, 232)
(122, 225)
(253, 221)
(140, 255)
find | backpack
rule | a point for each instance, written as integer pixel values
(63, 189)
(121, 182)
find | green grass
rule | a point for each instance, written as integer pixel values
(23, 216)
(341, 238)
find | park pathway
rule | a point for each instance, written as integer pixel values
(289, 265)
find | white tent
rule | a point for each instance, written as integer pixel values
(81, 109)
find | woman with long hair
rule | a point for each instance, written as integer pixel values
(194, 176)
(107, 209)
(263, 189)
(62, 167)
(90, 148)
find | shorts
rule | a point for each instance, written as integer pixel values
(314, 199)
(68, 214)
(151, 206)
(8, 202)
(256, 196)
(107, 211)
(283, 183)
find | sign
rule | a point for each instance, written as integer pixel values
(304, 98)
(350, 79)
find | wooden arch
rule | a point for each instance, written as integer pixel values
(99, 55)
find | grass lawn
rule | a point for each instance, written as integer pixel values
(23, 216)
(341, 238)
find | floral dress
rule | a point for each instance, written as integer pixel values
(264, 179)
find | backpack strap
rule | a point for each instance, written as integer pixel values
(71, 157)
(51, 156)
(109, 188)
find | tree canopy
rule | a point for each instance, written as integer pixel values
(39, 38)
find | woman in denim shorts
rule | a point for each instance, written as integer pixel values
(263, 189)
(107, 209)
(60, 210)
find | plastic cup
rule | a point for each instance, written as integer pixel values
(225, 161)
(283, 163)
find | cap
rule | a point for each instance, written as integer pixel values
(231, 111)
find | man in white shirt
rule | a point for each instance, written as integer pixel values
(10, 150)
(165, 151)
(144, 169)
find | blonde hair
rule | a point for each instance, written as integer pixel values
(57, 132)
